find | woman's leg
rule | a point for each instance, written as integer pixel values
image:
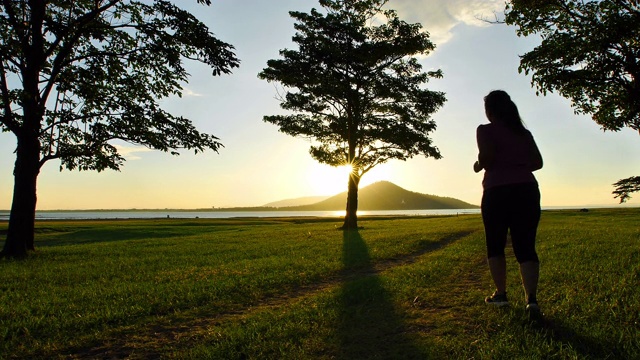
(523, 232)
(498, 269)
(496, 228)
(530, 272)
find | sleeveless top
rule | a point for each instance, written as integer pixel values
(512, 155)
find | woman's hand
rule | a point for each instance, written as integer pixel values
(476, 166)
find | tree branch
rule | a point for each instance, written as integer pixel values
(625, 187)
(78, 24)
(67, 46)
(15, 23)
(7, 119)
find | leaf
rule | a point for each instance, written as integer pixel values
(354, 89)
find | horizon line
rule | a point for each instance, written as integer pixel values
(544, 207)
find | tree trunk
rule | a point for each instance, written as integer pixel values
(20, 234)
(351, 217)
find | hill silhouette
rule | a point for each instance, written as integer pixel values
(384, 195)
(296, 202)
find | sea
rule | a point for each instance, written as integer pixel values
(195, 214)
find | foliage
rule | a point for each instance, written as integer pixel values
(625, 187)
(590, 54)
(355, 88)
(77, 75)
(100, 68)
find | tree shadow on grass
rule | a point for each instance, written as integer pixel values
(370, 327)
(96, 236)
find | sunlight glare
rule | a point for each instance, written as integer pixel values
(327, 180)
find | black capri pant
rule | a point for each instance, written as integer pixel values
(515, 208)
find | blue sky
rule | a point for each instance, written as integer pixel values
(260, 165)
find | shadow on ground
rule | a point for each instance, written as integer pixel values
(58, 237)
(369, 324)
(556, 330)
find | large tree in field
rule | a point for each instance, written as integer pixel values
(590, 54)
(78, 74)
(355, 88)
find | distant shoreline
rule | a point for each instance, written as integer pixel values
(288, 209)
(234, 209)
(165, 210)
(265, 212)
(194, 214)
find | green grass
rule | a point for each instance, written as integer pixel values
(299, 288)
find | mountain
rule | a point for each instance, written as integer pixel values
(384, 195)
(296, 202)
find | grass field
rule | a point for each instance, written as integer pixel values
(399, 288)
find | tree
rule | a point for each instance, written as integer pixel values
(589, 53)
(76, 75)
(356, 89)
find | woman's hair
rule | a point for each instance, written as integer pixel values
(503, 110)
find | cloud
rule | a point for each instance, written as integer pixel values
(189, 92)
(438, 17)
(129, 151)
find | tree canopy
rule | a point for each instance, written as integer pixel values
(356, 89)
(76, 75)
(589, 53)
(93, 72)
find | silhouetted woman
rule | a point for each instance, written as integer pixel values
(511, 198)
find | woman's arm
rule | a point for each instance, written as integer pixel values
(486, 150)
(536, 157)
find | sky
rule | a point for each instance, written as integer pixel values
(258, 164)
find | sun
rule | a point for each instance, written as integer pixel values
(327, 180)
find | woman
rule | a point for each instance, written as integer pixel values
(511, 198)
